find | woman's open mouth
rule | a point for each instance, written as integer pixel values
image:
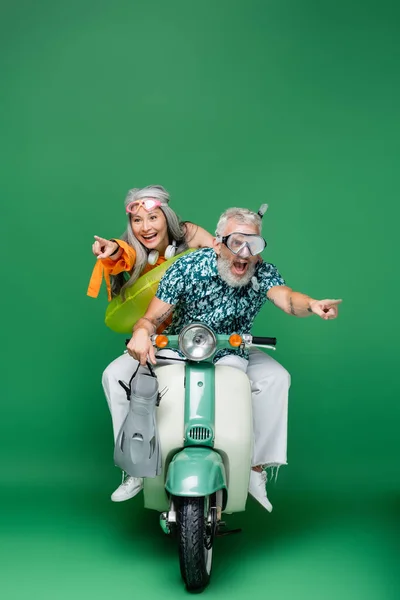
(239, 267)
(149, 238)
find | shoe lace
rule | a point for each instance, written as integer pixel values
(127, 481)
(263, 478)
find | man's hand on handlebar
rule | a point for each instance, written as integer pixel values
(141, 348)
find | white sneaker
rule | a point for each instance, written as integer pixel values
(128, 489)
(258, 481)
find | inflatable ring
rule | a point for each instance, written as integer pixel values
(121, 316)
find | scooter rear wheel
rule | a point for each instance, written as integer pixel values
(196, 538)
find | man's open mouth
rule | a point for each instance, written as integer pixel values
(239, 267)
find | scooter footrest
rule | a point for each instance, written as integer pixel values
(225, 532)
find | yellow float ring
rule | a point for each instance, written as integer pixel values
(121, 316)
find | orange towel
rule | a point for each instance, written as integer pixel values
(105, 267)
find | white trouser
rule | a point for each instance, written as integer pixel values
(270, 384)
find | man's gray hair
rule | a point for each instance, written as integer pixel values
(241, 215)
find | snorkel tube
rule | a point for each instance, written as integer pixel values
(262, 210)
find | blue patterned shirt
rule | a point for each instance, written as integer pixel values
(195, 287)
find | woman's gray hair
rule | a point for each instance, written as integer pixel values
(175, 227)
(241, 215)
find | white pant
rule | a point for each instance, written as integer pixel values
(270, 384)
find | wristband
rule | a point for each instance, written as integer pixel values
(116, 249)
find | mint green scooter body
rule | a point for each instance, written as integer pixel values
(198, 470)
(201, 439)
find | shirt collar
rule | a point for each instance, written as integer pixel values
(213, 265)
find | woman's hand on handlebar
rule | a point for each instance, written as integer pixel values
(141, 348)
(103, 248)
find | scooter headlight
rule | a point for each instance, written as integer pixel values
(197, 342)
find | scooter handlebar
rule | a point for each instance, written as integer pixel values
(267, 341)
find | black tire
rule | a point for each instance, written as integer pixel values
(195, 543)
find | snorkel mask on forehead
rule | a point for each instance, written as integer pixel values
(148, 204)
(245, 243)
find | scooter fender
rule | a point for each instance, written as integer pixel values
(195, 472)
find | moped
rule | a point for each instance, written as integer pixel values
(205, 429)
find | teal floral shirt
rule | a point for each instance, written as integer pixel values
(194, 286)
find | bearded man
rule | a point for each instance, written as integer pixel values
(225, 287)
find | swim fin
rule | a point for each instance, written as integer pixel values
(137, 449)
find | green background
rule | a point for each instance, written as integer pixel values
(224, 103)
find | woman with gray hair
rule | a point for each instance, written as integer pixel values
(154, 234)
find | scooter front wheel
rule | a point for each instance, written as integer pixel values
(196, 537)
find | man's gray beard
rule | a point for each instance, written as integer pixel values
(224, 270)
